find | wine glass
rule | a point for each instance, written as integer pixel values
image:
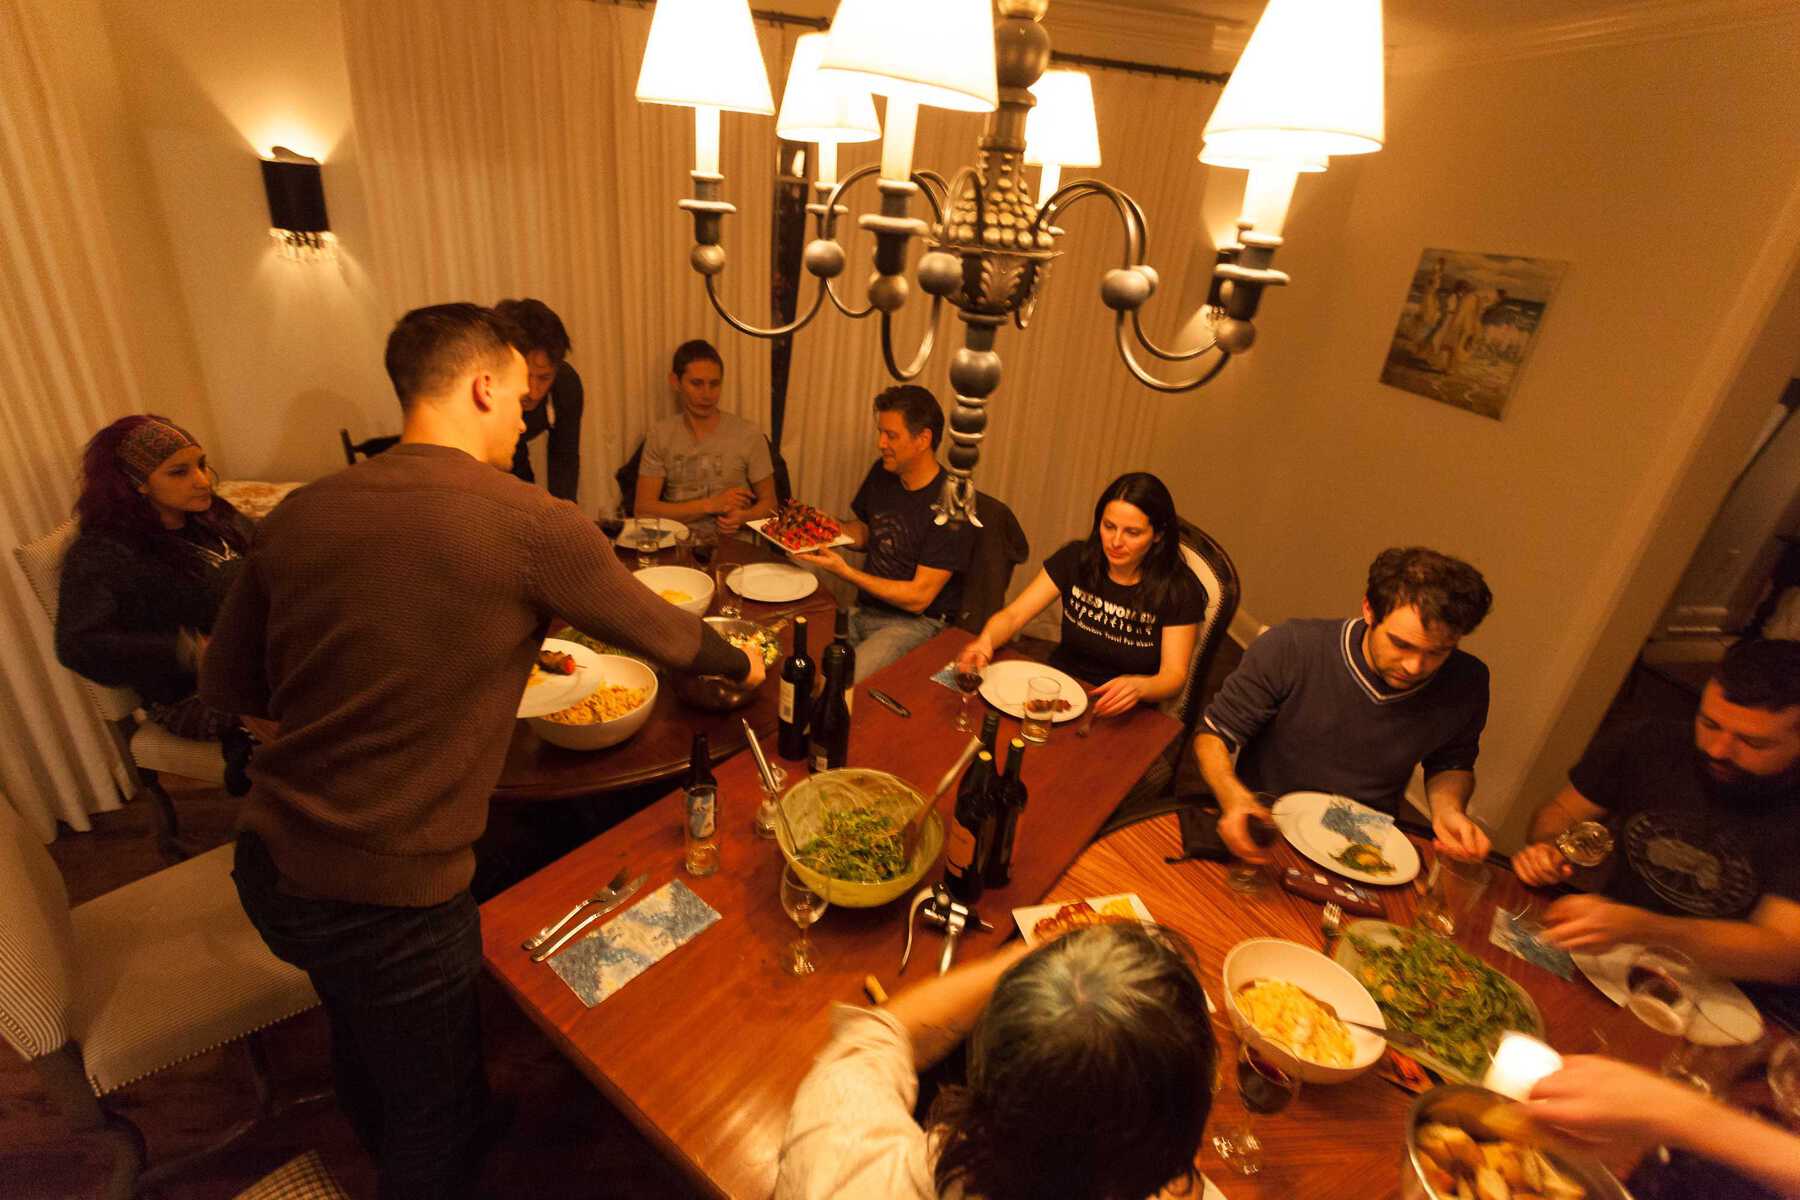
(1265, 1089)
(1585, 843)
(804, 904)
(1784, 1079)
(1249, 878)
(969, 684)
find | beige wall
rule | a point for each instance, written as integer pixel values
(286, 352)
(1665, 174)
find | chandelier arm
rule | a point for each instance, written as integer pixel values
(796, 324)
(917, 366)
(1130, 216)
(828, 220)
(936, 191)
(1143, 339)
(1160, 385)
(855, 314)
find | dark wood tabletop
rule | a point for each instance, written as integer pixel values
(1345, 1139)
(705, 1049)
(538, 771)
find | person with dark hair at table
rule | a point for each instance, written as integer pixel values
(704, 466)
(386, 623)
(1350, 707)
(1706, 820)
(553, 400)
(1131, 607)
(910, 585)
(141, 585)
(1090, 1077)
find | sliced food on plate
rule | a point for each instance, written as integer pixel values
(799, 528)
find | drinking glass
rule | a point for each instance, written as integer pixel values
(1265, 1089)
(804, 905)
(1250, 878)
(611, 519)
(969, 684)
(721, 573)
(1659, 989)
(1585, 843)
(1784, 1079)
(647, 538)
(1452, 890)
(1040, 708)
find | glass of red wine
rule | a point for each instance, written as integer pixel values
(1250, 878)
(1265, 1089)
(968, 683)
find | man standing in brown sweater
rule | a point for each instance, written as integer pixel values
(386, 623)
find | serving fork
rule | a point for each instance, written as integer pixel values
(604, 896)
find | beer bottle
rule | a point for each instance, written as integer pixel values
(700, 799)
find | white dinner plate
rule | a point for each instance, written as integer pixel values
(772, 583)
(1727, 1018)
(1300, 817)
(1003, 686)
(546, 693)
(669, 531)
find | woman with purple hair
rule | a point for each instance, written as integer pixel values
(158, 550)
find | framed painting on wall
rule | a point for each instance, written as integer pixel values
(1467, 325)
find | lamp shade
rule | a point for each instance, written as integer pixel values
(932, 52)
(1213, 156)
(823, 108)
(1308, 84)
(1061, 128)
(704, 54)
(296, 191)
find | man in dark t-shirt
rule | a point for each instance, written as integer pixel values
(910, 585)
(1706, 827)
(1351, 707)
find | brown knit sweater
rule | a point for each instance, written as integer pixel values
(387, 619)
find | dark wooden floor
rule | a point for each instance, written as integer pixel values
(566, 1142)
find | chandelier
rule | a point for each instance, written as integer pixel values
(1308, 86)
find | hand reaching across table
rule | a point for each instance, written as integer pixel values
(1591, 923)
(1541, 865)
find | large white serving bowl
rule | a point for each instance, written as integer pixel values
(618, 671)
(697, 584)
(1312, 972)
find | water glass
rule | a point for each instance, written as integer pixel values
(1452, 891)
(647, 537)
(804, 905)
(1040, 708)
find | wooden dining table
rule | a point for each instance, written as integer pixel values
(1348, 1139)
(704, 1050)
(536, 771)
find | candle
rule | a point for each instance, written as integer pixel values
(1268, 190)
(827, 162)
(706, 140)
(1049, 179)
(897, 141)
(1519, 1062)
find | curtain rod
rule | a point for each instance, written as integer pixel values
(1215, 78)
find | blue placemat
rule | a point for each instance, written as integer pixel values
(601, 963)
(1527, 942)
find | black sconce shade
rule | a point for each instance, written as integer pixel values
(296, 191)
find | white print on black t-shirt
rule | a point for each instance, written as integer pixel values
(1117, 623)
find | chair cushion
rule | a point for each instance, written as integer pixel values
(41, 562)
(305, 1178)
(170, 967)
(154, 748)
(37, 943)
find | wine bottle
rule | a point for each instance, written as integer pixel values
(700, 801)
(841, 642)
(971, 831)
(796, 697)
(828, 741)
(1009, 806)
(990, 735)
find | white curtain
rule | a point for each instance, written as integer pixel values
(65, 371)
(506, 156)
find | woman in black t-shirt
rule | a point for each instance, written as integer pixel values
(1131, 606)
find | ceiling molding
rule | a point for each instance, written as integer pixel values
(1165, 37)
(1633, 24)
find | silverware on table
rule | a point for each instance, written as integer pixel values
(1087, 720)
(1331, 924)
(883, 698)
(605, 894)
(625, 893)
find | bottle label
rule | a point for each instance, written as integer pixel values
(849, 700)
(961, 852)
(787, 702)
(817, 760)
(702, 809)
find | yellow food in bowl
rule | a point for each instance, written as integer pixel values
(1288, 1016)
(608, 703)
(674, 597)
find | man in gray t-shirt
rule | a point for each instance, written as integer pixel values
(704, 466)
(1350, 707)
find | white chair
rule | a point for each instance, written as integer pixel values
(146, 747)
(106, 993)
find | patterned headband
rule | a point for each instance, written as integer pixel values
(149, 445)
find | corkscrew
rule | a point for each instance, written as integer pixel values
(940, 910)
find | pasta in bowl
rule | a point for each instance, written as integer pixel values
(614, 711)
(1284, 999)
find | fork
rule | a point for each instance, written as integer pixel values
(600, 897)
(1331, 924)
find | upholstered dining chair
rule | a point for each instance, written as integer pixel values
(102, 995)
(146, 748)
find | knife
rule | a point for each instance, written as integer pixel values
(882, 697)
(625, 894)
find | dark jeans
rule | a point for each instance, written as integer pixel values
(399, 987)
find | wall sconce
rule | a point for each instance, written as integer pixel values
(296, 191)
